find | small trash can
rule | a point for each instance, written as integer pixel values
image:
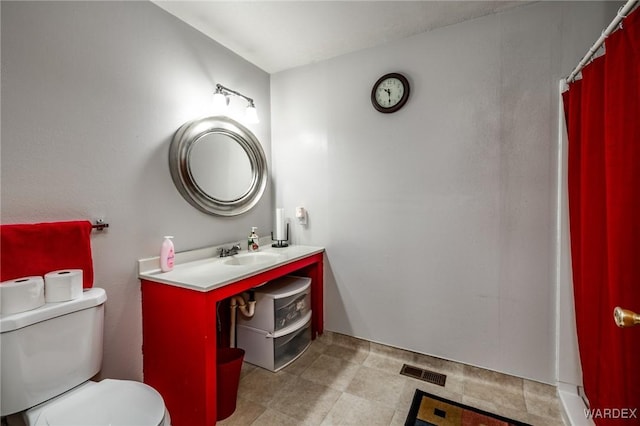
(228, 366)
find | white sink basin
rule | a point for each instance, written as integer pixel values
(252, 258)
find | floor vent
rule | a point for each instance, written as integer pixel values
(425, 375)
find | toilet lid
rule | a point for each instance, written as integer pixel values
(109, 402)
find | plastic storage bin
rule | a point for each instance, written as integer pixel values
(276, 350)
(280, 303)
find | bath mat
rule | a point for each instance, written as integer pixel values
(432, 410)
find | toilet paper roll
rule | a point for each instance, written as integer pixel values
(281, 227)
(63, 285)
(21, 294)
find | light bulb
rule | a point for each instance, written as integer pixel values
(219, 103)
(251, 114)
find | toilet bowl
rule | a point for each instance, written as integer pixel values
(109, 402)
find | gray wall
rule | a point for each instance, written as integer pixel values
(439, 220)
(92, 93)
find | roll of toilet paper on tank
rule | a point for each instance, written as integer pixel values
(21, 294)
(63, 285)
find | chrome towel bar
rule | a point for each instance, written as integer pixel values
(100, 225)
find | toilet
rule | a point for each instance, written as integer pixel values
(48, 356)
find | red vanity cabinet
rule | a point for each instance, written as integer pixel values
(180, 331)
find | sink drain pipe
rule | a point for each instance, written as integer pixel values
(247, 309)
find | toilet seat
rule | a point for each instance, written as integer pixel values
(109, 402)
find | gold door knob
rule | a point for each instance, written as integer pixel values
(625, 317)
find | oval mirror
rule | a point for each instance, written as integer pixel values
(218, 166)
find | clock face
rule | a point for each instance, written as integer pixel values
(390, 92)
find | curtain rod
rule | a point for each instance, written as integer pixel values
(622, 13)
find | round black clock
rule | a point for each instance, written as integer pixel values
(390, 92)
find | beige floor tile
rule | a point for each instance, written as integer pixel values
(377, 385)
(542, 400)
(325, 338)
(260, 385)
(246, 369)
(384, 363)
(333, 372)
(305, 400)
(438, 365)
(350, 342)
(543, 406)
(352, 354)
(488, 377)
(274, 418)
(539, 390)
(351, 410)
(391, 352)
(499, 396)
(399, 417)
(246, 412)
(454, 383)
(298, 366)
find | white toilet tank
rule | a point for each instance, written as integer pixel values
(49, 350)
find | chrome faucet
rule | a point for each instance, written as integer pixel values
(234, 249)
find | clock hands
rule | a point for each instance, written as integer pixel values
(388, 93)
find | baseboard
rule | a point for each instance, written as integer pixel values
(573, 406)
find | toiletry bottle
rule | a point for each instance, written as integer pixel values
(167, 254)
(253, 243)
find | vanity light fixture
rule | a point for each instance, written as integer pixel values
(221, 102)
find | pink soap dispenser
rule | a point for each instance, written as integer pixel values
(167, 254)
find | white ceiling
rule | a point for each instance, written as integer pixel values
(278, 35)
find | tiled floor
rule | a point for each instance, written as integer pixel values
(341, 380)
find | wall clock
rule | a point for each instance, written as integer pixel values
(390, 92)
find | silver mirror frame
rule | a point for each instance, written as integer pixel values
(179, 151)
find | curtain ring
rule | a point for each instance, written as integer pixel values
(620, 14)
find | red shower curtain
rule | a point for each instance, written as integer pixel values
(603, 124)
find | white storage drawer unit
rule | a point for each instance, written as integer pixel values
(274, 351)
(280, 330)
(280, 303)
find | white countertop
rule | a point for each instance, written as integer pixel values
(202, 269)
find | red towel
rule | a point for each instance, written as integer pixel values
(35, 249)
